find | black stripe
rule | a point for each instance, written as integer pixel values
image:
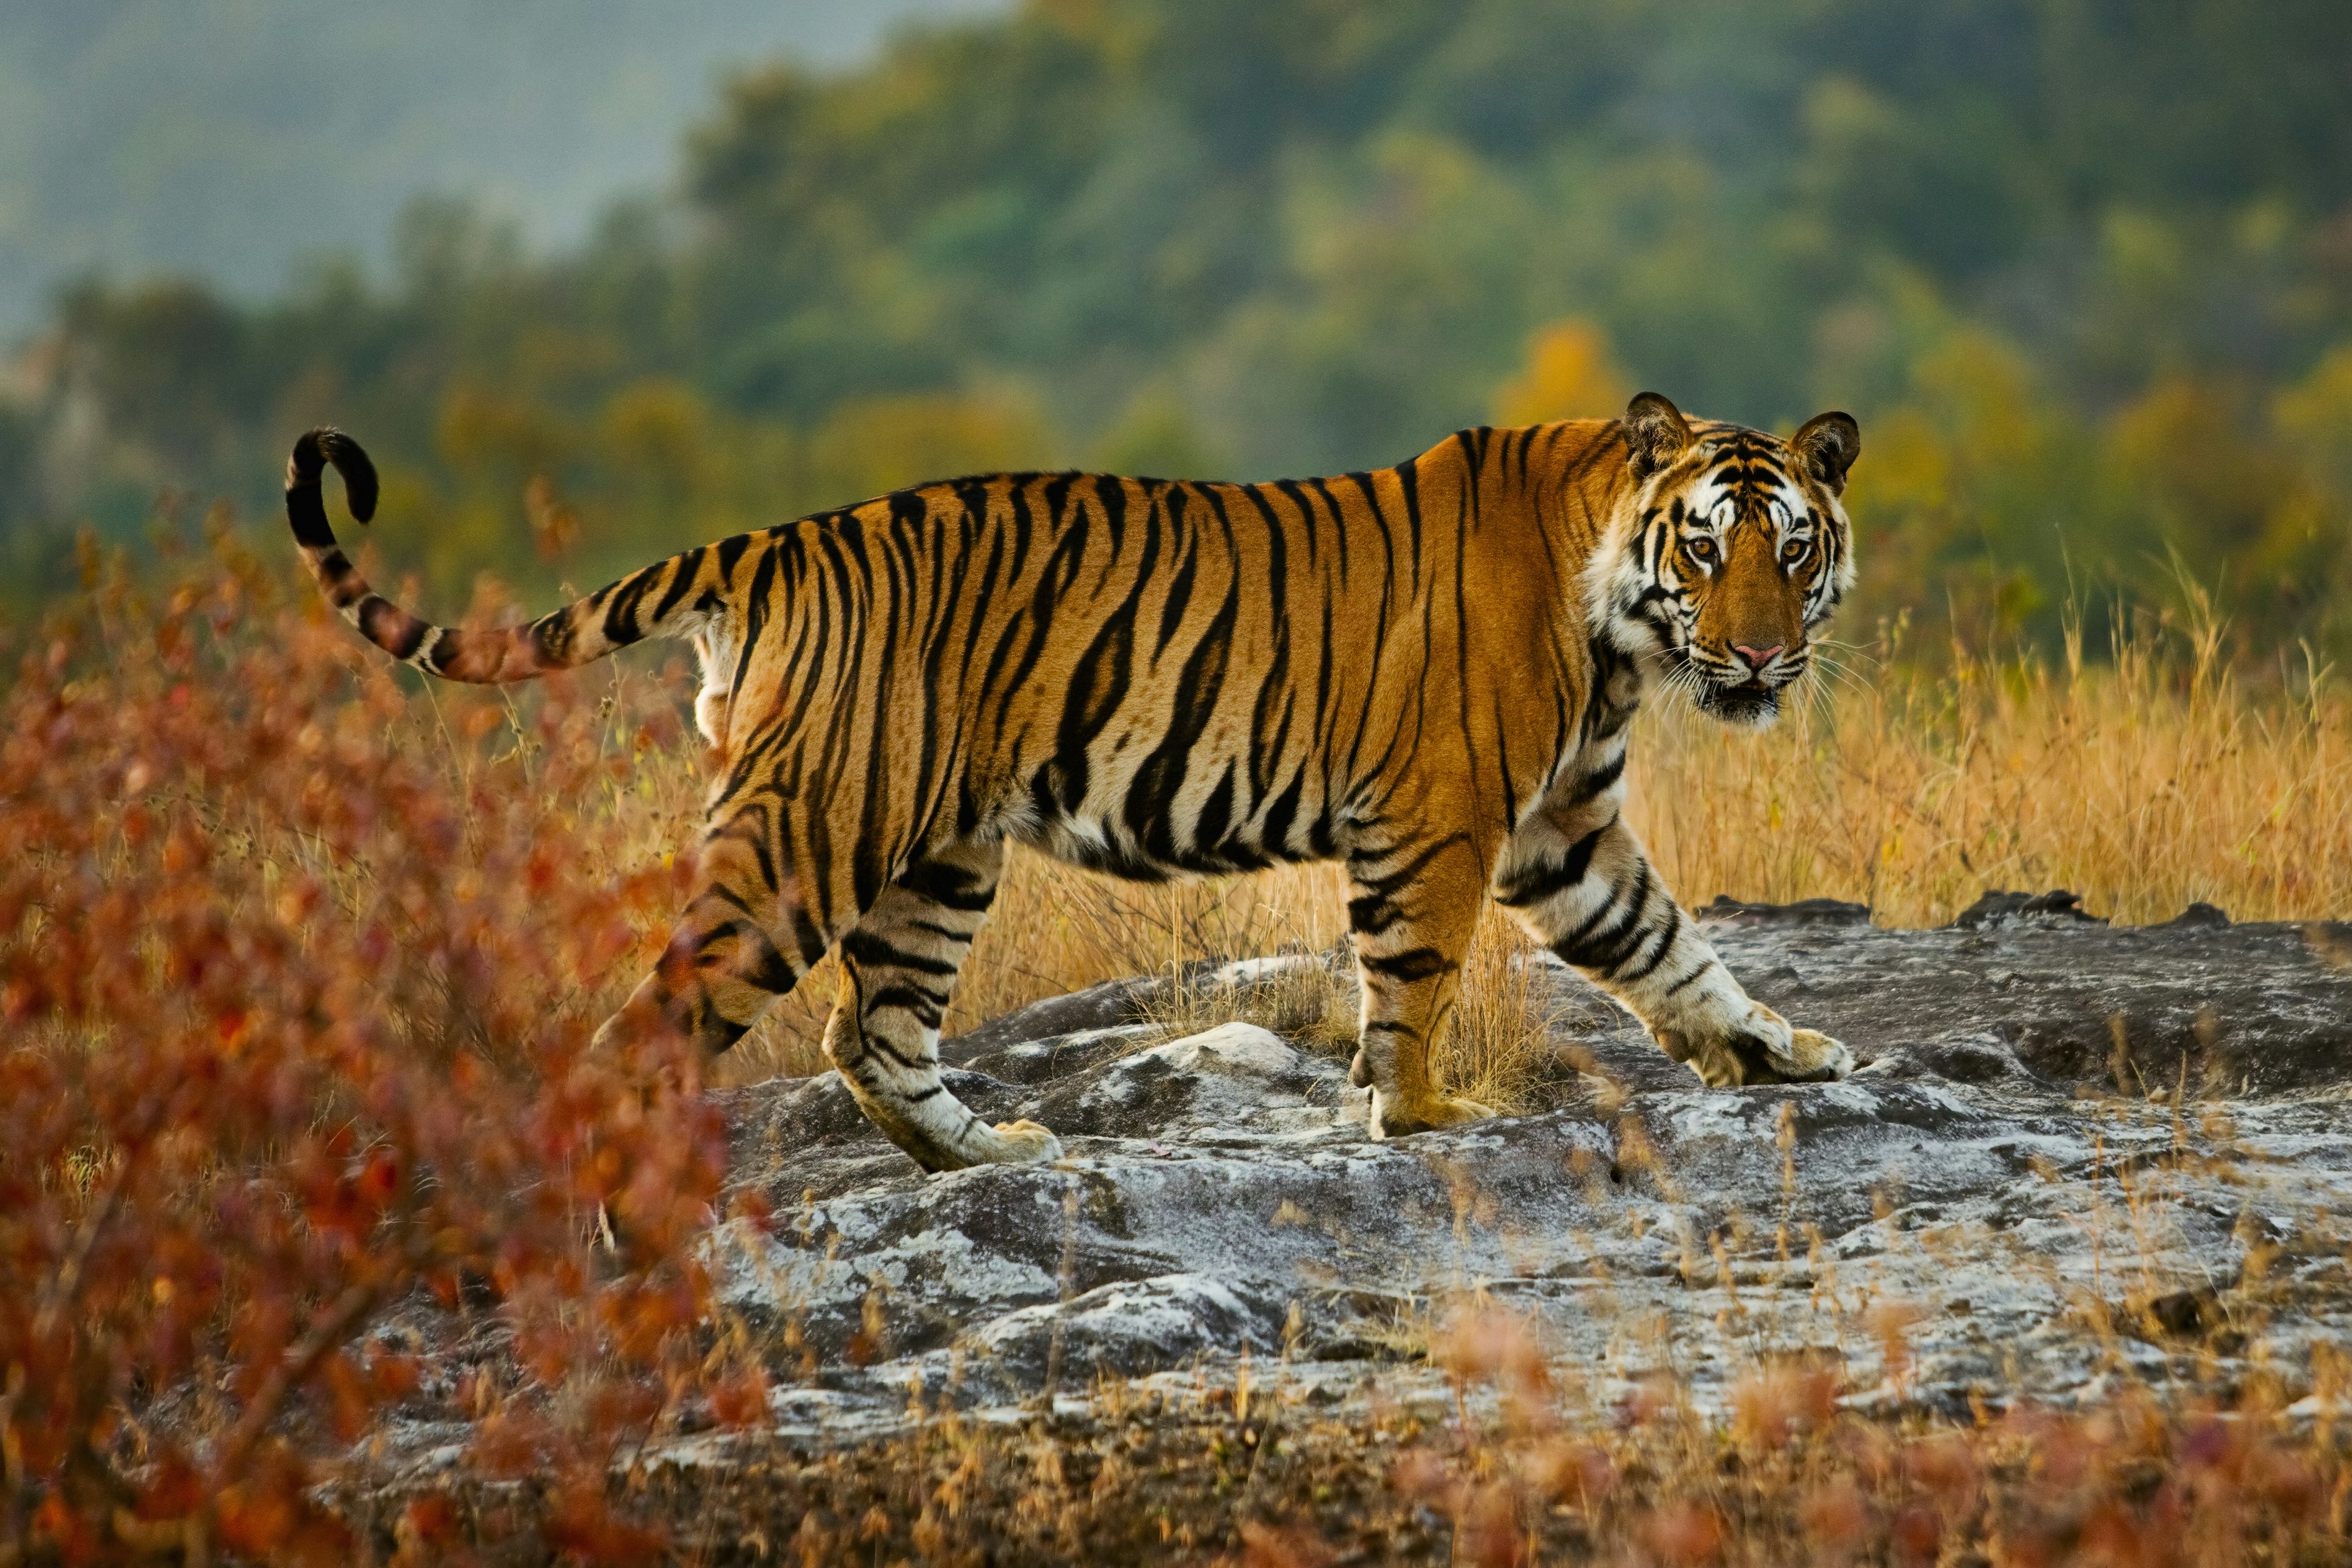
(390, 627)
(553, 635)
(689, 566)
(445, 650)
(1216, 815)
(863, 946)
(1099, 683)
(1150, 807)
(1549, 880)
(1389, 882)
(1609, 945)
(1275, 836)
(1585, 928)
(1633, 974)
(306, 513)
(926, 1005)
(1413, 964)
(755, 613)
(949, 885)
(1179, 588)
(1598, 780)
(1688, 981)
(1110, 495)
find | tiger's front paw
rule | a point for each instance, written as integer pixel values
(1817, 1058)
(1763, 1050)
(1022, 1143)
(976, 1143)
(1391, 1117)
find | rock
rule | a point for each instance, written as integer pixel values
(1236, 1079)
(1221, 1198)
(1229, 1050)
(1032, 1061)
(2233, 1008)
(1104, 1006)
(2059, 1125)
(2016, 908)
(2331, 941)
(1728, 911)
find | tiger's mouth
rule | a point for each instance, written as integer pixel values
(1746, 702)
(1727, 690)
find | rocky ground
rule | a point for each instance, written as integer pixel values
(2076, 1157)
(2072, 1153)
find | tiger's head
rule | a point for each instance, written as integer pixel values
(1730, 555)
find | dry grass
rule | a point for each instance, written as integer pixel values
(2143, 782)
(1500, 1040)
(1276, 1482)
(1057, 929)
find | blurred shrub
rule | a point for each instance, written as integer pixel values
(298, 976)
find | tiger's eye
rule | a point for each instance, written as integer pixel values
(1701, 548)
(1794, 551)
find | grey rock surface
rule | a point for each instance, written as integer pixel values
(2074, 1153)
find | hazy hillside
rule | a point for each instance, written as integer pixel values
(228, 137)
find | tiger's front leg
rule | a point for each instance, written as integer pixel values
(1578, 878)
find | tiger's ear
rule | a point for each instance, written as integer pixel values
(1655, 434)
(1829, 443)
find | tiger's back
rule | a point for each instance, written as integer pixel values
(1149, 677)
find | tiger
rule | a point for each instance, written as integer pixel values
(1424, 672)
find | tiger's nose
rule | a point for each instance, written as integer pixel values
(1758, 657)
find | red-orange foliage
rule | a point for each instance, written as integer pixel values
(298, 973)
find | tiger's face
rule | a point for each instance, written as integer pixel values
(1736, 552)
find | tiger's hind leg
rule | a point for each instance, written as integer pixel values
(745, 938)
(899, 967)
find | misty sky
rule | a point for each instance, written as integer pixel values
(229, 138)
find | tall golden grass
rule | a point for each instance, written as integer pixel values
(2160, 775)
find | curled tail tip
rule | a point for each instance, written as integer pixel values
(315, 448)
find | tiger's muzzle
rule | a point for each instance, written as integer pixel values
(1743, 684)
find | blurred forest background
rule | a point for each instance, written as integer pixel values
(2082, 268)
(239, 140)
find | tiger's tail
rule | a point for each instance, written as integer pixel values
(668, 597)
